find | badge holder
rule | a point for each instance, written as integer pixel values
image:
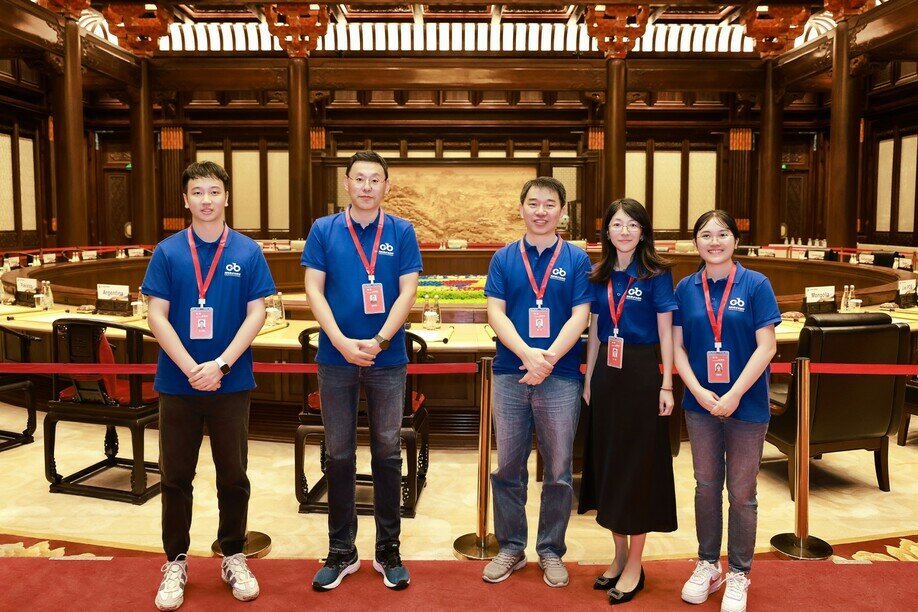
(718, 365)
(373, 299)
(26, 298)
(616, 350)
(539, 321)
(809, 308)
(120, 308)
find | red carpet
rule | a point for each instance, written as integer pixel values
(130, 583)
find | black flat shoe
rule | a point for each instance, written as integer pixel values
(619, 597)
(604, 583)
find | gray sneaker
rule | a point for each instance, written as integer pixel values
(171, 593)
(501, 566)
(555, 573)
(236, 573)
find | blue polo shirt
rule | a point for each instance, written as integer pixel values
(330, 249)
(568, 286)
(752, 306)
(646, 298)
(242, 276)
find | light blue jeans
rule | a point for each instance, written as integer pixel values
(726, 447)
(552, 409)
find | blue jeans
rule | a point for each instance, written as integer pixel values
(725, 446)
(339, 388)
(552, 408)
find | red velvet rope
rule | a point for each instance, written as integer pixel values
(150, 368)
(871, 369)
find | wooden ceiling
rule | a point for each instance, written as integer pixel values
(510, 11)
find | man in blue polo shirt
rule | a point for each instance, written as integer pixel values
(365, 263)
(538, 304)
(205, 322)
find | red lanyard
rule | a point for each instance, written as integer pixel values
(717, 324)
(617, 311)
(203, 285)
(539, 291)
(369, 266)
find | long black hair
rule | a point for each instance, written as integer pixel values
(649, 262)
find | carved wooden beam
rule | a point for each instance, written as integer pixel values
(775, 28)
(67, 8)
(618, 27)
(843, 9)
(297, 26)
(137, 28)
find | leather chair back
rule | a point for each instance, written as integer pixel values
(844, 406)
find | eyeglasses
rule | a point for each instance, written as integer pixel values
(360, 181)
(631, 226)
(708, 237)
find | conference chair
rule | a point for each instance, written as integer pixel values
(414, 433)
(910, 408)
(847, 412)
(101, 399)
(17, 348)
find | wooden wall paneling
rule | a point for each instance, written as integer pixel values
(648, 177)
(264, 231)
(228, 166)
(684, 195)
(172, 165)
(896, 177)
(17, 182)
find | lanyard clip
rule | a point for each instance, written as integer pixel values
(538, 303)
(200, 302)
(717, 346)
(372, 278)
(615, 332)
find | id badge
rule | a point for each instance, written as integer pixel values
(539, 323)
(718, 367)
(616, 351)
(202, 323)
(373, 299)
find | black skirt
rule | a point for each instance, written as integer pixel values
(627, 467)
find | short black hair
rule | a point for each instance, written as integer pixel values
(204, 169)
(545, 182)
(367, 156)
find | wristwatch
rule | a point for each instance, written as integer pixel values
(383, 343)
(224, 367)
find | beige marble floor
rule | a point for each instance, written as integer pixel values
(846, 504)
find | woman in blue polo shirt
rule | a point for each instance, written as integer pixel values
(724, 336)
(628, 467)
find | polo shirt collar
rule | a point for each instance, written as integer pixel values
(740, 273)
(530, 247)
(359, 227)
(632, 269)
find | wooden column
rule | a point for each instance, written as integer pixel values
(298, 143)
(841, 205)
(72, 215)
(146, 214)
(766, 228)
(614, 131)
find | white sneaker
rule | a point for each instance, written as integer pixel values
(706, 579)
(237, 574)
(171, 593)
(735, 595)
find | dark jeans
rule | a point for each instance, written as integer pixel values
(181, 430)
(339, 388)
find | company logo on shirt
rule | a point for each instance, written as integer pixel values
(634, 294)
(386, 249)
(232, 269)
(559, 274)
(737, 304)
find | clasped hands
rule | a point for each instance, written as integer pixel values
(205, 376)
(719, 406)
(538, 364)
(359, 352)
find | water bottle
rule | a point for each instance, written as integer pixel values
(280, 307)
(47, 297)
(436, 312)
(843, 306)
(428, 315)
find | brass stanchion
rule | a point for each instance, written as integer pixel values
(800, 544)
(257, 545)
(481, 544)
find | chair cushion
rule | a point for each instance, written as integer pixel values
(313, 402)
(417, 400)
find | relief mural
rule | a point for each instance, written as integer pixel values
(474, 203)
